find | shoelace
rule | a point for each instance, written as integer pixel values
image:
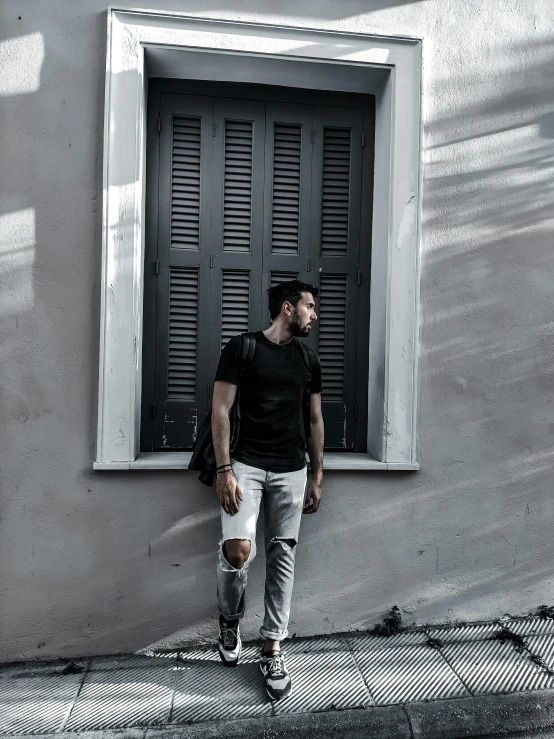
(276, 664)
(229, 636)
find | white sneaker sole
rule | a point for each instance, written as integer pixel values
(272, 697)
(229, 662)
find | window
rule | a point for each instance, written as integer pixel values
(246, 187)
(145, 45)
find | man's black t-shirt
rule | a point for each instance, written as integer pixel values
(271, 390)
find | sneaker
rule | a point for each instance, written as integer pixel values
(277, 679)
(230, 644)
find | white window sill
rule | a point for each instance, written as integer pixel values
(180, 460)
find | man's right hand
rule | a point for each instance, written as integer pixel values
(228, 492)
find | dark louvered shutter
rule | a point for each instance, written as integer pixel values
(288, 161)
(185, 182)
(246, 194)
(332, 335)
(285, 215)
(183, 282)
(235, 304)
(335, 246)
(237, 184)
(237, 215)
(335, 195)
(183, 334)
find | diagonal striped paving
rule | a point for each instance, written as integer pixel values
(112, 699)
(529, 626)
(403, 674)
(495, 667)
(38, 704)
(542, 645)
(323, 682)
(337, 671)
(209, 692)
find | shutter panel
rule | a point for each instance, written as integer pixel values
(237, 212)
(288, 163)
(332, 335)
(334, 246)
(237, 193)
(235, 304)
(332, 350)
(285, 222)
(183, 282)
(183, 319)
(185, 183)
(335, 199)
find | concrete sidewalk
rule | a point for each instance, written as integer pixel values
(433, 682)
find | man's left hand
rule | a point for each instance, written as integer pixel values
(313, 498)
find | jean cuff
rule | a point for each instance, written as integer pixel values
(232, 617)
(275, 635)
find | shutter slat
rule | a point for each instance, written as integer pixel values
(332, 334)
(183, 323)
(286, 189)
(237, 187)
(336, 191)
(235, 304)
(185, 183)
(281, 276)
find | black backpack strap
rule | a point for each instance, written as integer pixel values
(309, 361)
(252, 347)
(248, 349)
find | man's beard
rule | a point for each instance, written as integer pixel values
(296, 329)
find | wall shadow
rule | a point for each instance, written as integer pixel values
(109, 562)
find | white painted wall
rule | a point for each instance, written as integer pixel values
(88, 560)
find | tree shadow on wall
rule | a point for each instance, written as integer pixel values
(486, 377)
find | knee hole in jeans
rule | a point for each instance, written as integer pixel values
(237, 551)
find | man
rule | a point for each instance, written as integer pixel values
(268, 461)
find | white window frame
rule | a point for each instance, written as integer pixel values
(393, 347)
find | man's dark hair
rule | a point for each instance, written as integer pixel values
(288, 291)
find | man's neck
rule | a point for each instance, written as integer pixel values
(278, 334)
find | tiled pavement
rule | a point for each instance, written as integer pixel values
(354, 670)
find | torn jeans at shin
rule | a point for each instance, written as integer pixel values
(231, 583)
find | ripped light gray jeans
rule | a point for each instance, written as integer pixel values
(283, 494)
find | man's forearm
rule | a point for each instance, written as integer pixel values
(221, 428)
(315, 450)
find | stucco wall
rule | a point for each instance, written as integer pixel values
(105, 562)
